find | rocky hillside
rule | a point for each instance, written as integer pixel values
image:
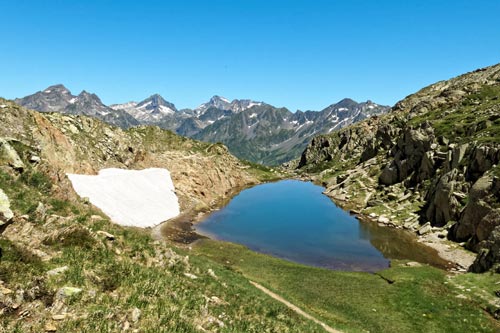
(202, 173)
(253, 131)
(65, 267)
(431, 164)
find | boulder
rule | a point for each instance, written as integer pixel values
(66, 292)
(10, 154)
(35, 159)
(57, 271)
(383, 219)
(135, 314)
(475, 210)
(489, 254)
(458, 154)
(481, 160)
(6, 214)
(442, 205)
(106, 235)
(389, 175)
(487, 224)
(426, 228)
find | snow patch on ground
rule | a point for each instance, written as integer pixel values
(139, 198)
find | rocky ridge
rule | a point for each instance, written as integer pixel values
(58, 98)
(270, 135)
(60, 144)
(430, 165)
(252, 130)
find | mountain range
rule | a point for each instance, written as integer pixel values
(255, 131)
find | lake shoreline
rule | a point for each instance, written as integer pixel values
(181, 229)
(460, 258)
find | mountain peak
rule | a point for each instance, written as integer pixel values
(87, 96)
(346, 101)
(56, 88)
(217, 98)
(155, 101)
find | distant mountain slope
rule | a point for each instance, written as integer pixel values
(58, 98)
(270, 135)
(252, 130)
(221, 103)
(150, 110)
(431, 164)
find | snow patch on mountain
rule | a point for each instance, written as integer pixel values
(139, 198)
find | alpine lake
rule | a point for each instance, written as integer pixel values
(293, 220)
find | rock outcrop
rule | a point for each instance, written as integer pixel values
(434, 158)
(202, 173)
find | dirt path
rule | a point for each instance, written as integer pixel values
(294, 308)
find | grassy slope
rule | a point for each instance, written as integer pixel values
(477, 118)
(117, 276)
(422, 299)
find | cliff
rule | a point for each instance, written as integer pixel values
(431, 164)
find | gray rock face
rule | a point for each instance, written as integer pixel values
(480, 216)
(443, 206)
(482, 159)
(410, 154)
(59, 99)
(489, 254)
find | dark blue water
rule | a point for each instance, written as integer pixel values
(293, 220)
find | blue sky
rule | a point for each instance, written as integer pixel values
(298, 54)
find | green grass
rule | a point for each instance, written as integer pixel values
(18, 262)
(475, 119)
(420, 299)
(128, 272)
(168, 300)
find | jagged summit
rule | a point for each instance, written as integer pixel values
(57, 98)
(56, 88)
(253, 130)
(222, 103)
(151, 110)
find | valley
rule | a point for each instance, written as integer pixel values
(66, 266)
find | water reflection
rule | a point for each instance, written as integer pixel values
(293, 220)
(400, 244)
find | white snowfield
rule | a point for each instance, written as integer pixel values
(139, 198)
